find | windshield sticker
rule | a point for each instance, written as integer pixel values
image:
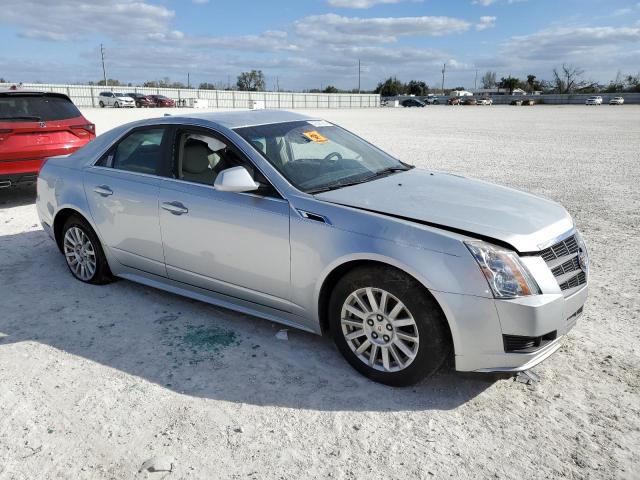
(319, 123)
(315, 137)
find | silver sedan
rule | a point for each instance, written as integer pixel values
(296, 220)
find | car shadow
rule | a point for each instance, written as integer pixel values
(17, 196)
(191, 347)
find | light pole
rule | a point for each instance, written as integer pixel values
(104, 72)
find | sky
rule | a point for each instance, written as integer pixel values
(305, 44)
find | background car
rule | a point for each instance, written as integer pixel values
(468, 101)
(485, 101)
(453, 101)
(162, 101)
(412, 102)
(141, 100)
(432, 100)
(616, 101)
(528, 102)
(36, 125)
(595, 100)
(116, 100)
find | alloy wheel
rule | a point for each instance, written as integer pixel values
(379, 329)
(80, 253)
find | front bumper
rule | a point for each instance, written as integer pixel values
(478, 326)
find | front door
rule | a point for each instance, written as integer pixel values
(232, 243)
(122, 191)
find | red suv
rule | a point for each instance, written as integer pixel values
(36, 125)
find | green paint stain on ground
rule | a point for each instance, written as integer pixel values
(210, 338)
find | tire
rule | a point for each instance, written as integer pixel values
(101, 104)
(436, 102)
(419, 318)
(116, 105)
(76, 232)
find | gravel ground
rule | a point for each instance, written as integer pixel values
(96, 380)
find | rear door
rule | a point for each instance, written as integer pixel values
(122, 191)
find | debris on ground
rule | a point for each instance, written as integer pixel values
(161, 463)
(282, 334)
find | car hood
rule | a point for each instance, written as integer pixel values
(472, 207)
(126, 99)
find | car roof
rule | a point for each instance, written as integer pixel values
(248, 118)
(20, 91)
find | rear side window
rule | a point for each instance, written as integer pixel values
(37, 108)
(140, 151)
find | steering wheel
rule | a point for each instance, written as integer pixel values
(333, 154)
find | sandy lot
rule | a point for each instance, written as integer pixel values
(96, 380)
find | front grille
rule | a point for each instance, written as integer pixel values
(562, 259)
(522, 344)
(560, 249)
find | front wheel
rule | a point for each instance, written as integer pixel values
(387, 326)
(116, 105)
(101, 104)
(82, 251)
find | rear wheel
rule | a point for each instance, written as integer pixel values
(83, 252)
(387, 326)
(101, 104)
(116, 105)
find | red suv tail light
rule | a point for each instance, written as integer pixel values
(82, 130)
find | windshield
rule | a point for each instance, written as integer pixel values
(36, 107)
(316, 155)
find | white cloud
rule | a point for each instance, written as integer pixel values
(486, 22)
(200, 2)
(360, 3)
(335, 29)
(72, 19)
(573, 43)
(486, 3)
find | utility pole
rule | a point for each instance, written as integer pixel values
(277, 84)
(475, 82)
(188, 80)
(359, 75)
(104, 72)
(444, 68)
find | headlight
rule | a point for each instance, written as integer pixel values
(583, 256)
(506, 274)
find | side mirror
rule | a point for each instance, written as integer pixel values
(235, 179)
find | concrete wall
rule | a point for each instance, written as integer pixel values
(87, 96)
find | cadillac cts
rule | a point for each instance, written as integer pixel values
(294, 219)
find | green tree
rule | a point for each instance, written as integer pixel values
(252, 81)
(418, 88)
(509, 83)
(391, 87)
(330, 89)
(632, 83)
(207, 86)
(532, 84)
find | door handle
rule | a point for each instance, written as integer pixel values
(103, 190)
(175, 207)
